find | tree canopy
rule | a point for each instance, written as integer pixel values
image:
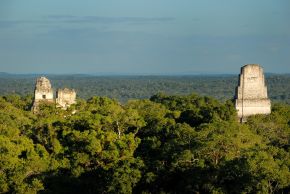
(165, 144)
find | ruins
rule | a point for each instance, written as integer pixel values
(251, 94)
(250, 98)
(44, 93)
(65, 98)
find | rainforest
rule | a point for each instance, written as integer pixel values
(163, 144)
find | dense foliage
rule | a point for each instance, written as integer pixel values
(168, 144)
(123, 88)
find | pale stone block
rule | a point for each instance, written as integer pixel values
(251, 94)
(43, 92)
(65, 98)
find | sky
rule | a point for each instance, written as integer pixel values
(143, 36)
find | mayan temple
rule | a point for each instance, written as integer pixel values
(251, 94)
(65, 98)
(43, 92)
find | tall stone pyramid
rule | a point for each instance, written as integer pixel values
(251, 94)
(43, 92)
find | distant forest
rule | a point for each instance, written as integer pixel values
(123, 88)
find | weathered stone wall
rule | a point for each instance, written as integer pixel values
(43, 92)
(251, 93)
(65, 98)
(43, 89)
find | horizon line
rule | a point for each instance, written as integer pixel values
(131, 74)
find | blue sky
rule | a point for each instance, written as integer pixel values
(143, 36)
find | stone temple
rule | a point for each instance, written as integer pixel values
(44, 93)
(251, 94)
(65, 98)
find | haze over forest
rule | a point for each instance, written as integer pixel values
(124, 88)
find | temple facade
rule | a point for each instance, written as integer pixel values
(251, 94)
(44, 93)
(65, 98)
